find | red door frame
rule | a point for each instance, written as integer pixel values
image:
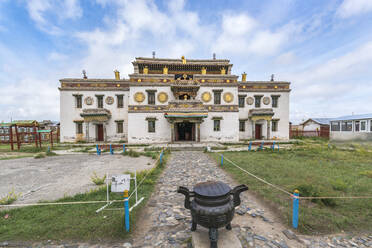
(99, 132)
(258, 131)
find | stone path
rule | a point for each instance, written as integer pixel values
(166, 223)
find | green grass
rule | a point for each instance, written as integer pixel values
(98, 180)
(77, 222)
(315, 170)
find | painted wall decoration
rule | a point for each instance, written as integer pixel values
(139, 97)
(228, 97)
(88, 100)
(266, 100)
(162, 97)
(250, 100)
(109, 100)
(206, 97)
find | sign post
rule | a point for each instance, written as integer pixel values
(126, 210)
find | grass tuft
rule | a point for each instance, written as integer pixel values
(9, 198)
(98, 180)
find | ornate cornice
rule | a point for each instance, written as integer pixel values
(184, 107)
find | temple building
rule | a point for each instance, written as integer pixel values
(174, 100)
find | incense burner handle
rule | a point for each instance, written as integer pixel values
(236, 193)
(185, 191)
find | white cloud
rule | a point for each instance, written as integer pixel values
(354, 7)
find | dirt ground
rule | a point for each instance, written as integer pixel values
(52, 178)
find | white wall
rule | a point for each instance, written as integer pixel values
(69, 113)
(229, 127)
(311, 126)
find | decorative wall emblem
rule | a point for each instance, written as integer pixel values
(228, 97)
(266, 100)
(250, 100)
(139, 97)
(88, 100)
(206, 97)
(162, 97)
(109, 100)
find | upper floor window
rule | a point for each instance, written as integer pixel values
(241, 101)
(217, 97)
(151, 97)
(120, 101)
(335, 126)
(275, 101)
(257, 101)
(241, 126)
(78, 101)
(99, 101)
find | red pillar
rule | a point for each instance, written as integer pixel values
(35, 136)
(11, 137)
(51, 138)
(17, 136)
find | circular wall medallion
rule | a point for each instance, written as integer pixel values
(88, 100)
(139, 97)
(109, 100)
(228, 97)
(266, 100)
(250, 100)
(162, 97)
(206, 97)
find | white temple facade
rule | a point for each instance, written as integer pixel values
(174, 100)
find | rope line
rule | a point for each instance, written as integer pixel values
(258, 178)
(292, 195)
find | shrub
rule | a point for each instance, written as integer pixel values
(98, 180)
(339, 185)
(9, 198)
(308, 190)
(366, 173)
(131, 153)
(39, 155)
(50, 153)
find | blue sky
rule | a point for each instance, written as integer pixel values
(324, 48)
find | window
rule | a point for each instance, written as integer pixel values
(257, 101)
(151, 97)
(363, 126)
(217, 97)
(119, 127)
(151, 126)
(99, 101)
(335, 126)
(78, 101)
(274, 125)
(370, 125)
(217, 125)
(120, 101)
(275, 101)
(241, 126)
(347, 126)
(241, 101)
(79, 127)
(357, 126)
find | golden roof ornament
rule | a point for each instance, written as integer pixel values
(183, 60)
(165, 70)
(223, 71)
(146, 70)
(203, 71)
(244, 77)
(117, 75)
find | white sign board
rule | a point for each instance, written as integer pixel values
(119, 183)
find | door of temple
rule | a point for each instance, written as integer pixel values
(258, 131)
(185, 131)
(99, 132)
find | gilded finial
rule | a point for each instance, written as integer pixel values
(185, 97)
(117, 75)
(183, 60)
(244, 77)
(223, 71)
(203, 71)
(165, 70)
(146, 70)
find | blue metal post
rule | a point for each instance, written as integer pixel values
(261, 146)
(296, 203)
(278, 147)
(161, 158)
(221, 159)
(97, 149)
(273, 147)
(111, 150)
(48, 149)
(123, 147)
(250, 146)
(126, 210)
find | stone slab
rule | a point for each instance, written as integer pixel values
(226, 239)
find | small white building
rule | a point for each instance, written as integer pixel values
(174, 100)
(316, 124)
(353, 127)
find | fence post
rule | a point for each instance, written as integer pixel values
(48, 149)
(261, 146)
(250, 146)
(295, 208)
(97, 149)
(273, 147)
(161, 158)
(221, 159)
(123, 147)
(111, 150)
(278, 147)
(126, 210)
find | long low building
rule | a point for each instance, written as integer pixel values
(174, 100)
(352, 127)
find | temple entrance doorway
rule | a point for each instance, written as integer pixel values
(99, 128)
(185, 131)
(258, 131)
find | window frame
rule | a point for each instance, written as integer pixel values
(274, 125)
(241, 125)
(217, 125)
(338, 129)
(120, 101)
(78, 101)
(150, 128)
(356, 126)
(257, 101)
(151, 98)
(241, 101)
(120, 125)
(99, 101)
(365, 126)
(79, 127)
(217, 97)
(275, 99)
